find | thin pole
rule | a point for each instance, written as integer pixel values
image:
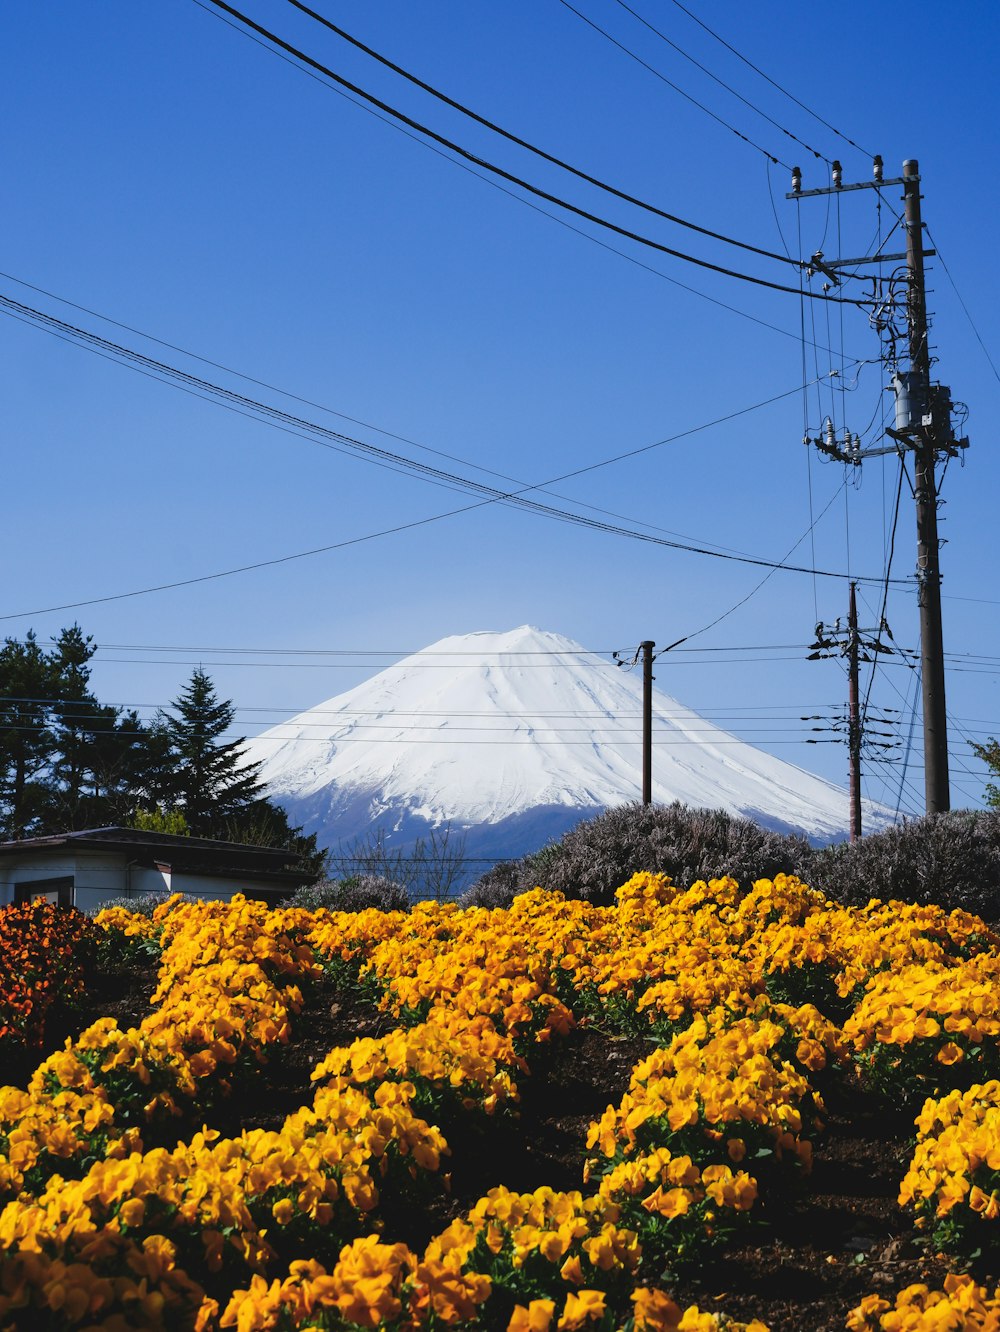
(853, 717)
(936, 785)
(646, 648)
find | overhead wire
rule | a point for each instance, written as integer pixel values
(365, 740)
(497, 185)
(670, 84)
(961, 301)
(514, 179)
(489, 471)
(774, 84)
(722, 83)
(885, 592)
(805, 404)
(754, 590)
(339, 441)
(274, 416)
(531, 147)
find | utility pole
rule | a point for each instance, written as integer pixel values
(856, 645)
(936, 791)
(646, 648)
(923, 428)
(853, 717)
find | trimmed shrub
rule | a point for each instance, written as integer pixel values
(142, 904)
(500, 885)
(951, 860)
(600, 854)
(357, 893)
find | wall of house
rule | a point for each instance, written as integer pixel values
(96, 878)
(211, 887)
(99, 877)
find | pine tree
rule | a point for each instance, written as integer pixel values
(28, 690)
(213, 780)
(76, 715)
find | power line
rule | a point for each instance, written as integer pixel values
(757, 70)
(417, 652)
(403, 439)
(354, 666)
(337, 440)
(533, 148)
(752, 712)
(962, 303)
(274, 416)
(536, 190)
(753, 591)
(494, 184)
(670, 84)
(722, 84)
(885, 590)
(725, 739)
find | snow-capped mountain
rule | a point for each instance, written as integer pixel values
(514, 737)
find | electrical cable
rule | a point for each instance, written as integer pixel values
(507, 175)
(670, 84)
(227, 398)
(294, 397)
(753, 591)
(496, 185)
(273, 415)
(533, 148)
(961, 302)
(745, 712)
(757, 70)
(725, 739)
(885, 593)
(341, 443)
(805, 403)
(722, 83)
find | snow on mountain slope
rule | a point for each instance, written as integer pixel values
(485, 728)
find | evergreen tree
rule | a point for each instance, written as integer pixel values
(68, 761)
(76, 717)
(263, 823)
(29, 687)
(213, 780)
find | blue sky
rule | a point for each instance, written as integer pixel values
(164, 170)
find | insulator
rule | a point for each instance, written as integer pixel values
(796, 179)
(838, 175)
(877, 167)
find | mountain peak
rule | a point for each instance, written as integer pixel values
(483, 727)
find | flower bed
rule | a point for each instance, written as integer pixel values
(748, 1013)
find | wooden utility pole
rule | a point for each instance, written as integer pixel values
(853, 718)
(646, 648)
(924, 429)
(856, 645)
(936, 786)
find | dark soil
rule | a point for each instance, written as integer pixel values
(818, 1243)
(119, 991)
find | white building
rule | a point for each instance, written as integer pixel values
(85, 869)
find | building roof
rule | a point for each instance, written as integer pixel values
(202, 855)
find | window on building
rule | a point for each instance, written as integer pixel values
(58, 891)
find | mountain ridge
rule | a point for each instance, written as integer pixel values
(517, 734)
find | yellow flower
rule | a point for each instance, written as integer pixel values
(581, 1307)
(537, 1317)
(132, 1212)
